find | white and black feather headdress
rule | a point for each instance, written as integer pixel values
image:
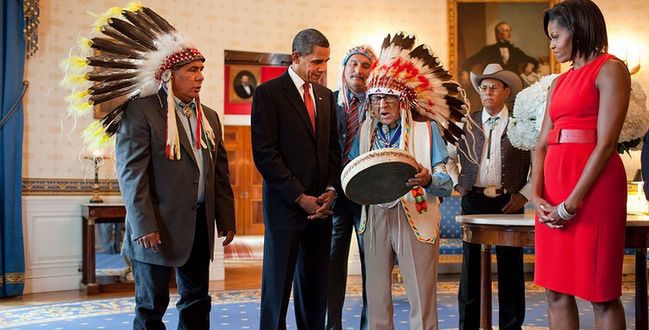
(130, 54)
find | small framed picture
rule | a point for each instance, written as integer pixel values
(243, 81)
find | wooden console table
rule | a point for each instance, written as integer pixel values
(94, 213)
(518, 230)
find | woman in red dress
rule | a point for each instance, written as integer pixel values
(579, 183)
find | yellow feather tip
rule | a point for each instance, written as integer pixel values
(74, 63)
(74, 81)
(103, 19)
(77, 96)
(134, 6)
(95, 137)
(80, 109)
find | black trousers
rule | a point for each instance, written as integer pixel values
(300, 258)
(346, 221)
(192, 278)
(511, 281)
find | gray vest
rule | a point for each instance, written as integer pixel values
(515, 162)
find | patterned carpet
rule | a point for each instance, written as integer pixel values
(240, 310)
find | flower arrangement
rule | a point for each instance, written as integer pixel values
(529, 110)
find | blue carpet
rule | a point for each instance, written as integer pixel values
(240, 310)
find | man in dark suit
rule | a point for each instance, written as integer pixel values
(509, 57)
(497, 184)
(350, 110)
(244, 89)
(175, 195)
(295, 148)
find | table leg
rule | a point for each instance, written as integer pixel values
(641, 288)
(84, 254)
(91, 276)
(485, 287)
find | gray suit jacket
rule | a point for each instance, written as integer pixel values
(161, 194)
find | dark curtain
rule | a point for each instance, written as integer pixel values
(12, 62)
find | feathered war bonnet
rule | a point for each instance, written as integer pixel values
(422, 84)
(137, 51)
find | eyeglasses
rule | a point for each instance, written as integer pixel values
(484, 88)
(389, 99)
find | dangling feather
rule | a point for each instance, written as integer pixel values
(117, 48)
(113, 119)
(133, 33)
(74, 64)
(112, 74)
(162, 23)
(94, 136)
(104, 18)
(104, 87)
(111, 32)
(101, 98)
(147, 26)
(111, 61)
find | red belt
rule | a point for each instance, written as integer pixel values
(565, 135)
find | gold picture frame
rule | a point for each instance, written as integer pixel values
(471, 25)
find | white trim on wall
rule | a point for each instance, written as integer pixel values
(52, 241)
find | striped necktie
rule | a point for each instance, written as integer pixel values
(351, 124)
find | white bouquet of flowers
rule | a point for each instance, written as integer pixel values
(529, 110)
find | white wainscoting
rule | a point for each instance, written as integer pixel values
(52, 240)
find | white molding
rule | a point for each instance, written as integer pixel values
(236, 120)
(52, 241)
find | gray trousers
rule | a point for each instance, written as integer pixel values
(388, 235)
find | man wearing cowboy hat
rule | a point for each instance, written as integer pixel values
(497, 184)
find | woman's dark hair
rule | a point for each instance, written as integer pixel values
(585, 22)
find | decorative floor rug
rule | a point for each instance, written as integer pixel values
(240, 310)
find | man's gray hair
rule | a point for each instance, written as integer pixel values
(305, 40)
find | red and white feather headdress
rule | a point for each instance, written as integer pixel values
(421, 82)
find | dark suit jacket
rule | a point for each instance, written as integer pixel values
(491, 54)
(241, 92)
(161, 194)
(290, 157)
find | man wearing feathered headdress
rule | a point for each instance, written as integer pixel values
(171, 162)
(405, 84)
(497, 184)
(355, 68)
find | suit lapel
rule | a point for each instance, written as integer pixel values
(294, 98)
(322, 111)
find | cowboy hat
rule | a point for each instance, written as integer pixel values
(495, 71)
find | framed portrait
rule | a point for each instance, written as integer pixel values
(507, 32)
(243, 79)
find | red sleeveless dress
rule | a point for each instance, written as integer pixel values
(584, 258)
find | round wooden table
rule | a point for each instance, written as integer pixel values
(518, 230)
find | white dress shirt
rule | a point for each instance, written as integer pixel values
(299, 84)
(490, 172)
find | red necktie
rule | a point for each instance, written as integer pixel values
(310, 107)
(351, 123)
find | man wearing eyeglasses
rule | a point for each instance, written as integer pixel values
(497, 184)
